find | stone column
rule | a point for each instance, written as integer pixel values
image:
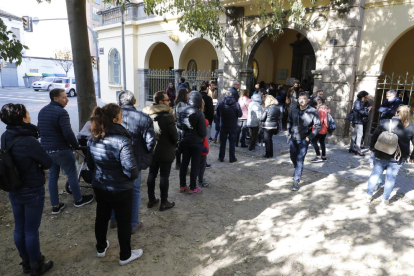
(341, 60)
(233, 45)
(246, 77)
(177, 75)
(220, 83)
(143, 87)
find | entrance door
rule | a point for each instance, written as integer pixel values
(9, 75)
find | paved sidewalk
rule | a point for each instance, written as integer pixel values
(343, 164)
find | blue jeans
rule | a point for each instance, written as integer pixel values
(66, 160)
(27, 205)
(380, 165)
(282, 112)
(298, 150)
(136, 202)
(231, 134)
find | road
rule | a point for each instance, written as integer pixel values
(34, 102)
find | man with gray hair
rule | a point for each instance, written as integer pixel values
(390, 105)
(141, 129)
(235, 90)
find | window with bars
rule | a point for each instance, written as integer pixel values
(114, 68)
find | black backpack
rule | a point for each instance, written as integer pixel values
(9, 176)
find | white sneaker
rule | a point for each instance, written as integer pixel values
(369, 198)
(101, 255)
(385, 203)
(135, 254)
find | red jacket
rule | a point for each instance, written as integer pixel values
(206, 148)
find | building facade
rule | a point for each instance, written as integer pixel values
(347, 48)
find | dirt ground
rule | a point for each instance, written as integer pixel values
(247, 223)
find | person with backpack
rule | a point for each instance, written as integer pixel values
(27, 198)
(359, 113)
(111, 158)
(390, 143)
(323, 110)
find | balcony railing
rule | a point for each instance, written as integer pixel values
(133, 11)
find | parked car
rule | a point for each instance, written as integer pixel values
(67, 84)
(43, 84)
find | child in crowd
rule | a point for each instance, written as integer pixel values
(217, 128)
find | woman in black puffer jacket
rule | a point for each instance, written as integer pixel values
(27, 203)
(111, 158)
(270, 123)
(191, 122)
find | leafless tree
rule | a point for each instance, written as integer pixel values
(64, 59)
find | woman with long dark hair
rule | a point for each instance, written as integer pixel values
(27, 202)
(111, 158)
(180, 104)
(319, 104)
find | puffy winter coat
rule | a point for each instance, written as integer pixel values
(28, 154)
(54, 127)
(165, 130)
(360, 112)
(403, 138)
(389, 108)
(141, 129)
(191, 121)
(300, 126)
(112, 161)
(270, 116)
(235, 94)
(228, 112)
(255, 111)
(244, 105)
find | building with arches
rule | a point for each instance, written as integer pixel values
(345, 49)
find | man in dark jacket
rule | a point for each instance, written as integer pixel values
(208, 108)
(58, 139)
(235, 90)
(300, 123)
(141, 129)
(390, 105)
(164, 153)
(193, 125)
(182, 84)
(228, 112)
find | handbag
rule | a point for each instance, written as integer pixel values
(350, 116)
(388, 143)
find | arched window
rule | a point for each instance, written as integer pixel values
(114, 67)
(192, 65)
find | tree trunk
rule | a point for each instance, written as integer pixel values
(81, 59)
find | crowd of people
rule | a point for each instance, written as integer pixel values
(122, 141)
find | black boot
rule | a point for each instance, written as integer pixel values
(26, 265)
(40, 267)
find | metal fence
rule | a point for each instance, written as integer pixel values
(158, 80)
(195, 78)
(403, 84)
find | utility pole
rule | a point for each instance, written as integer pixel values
(123, 46)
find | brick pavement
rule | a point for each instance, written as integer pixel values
(343, 164)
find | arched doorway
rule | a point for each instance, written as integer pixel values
(160, 62)
(290, 56)
(398, 73)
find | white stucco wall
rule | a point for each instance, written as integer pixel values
(383, 26)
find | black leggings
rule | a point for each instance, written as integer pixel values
(321, 139)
